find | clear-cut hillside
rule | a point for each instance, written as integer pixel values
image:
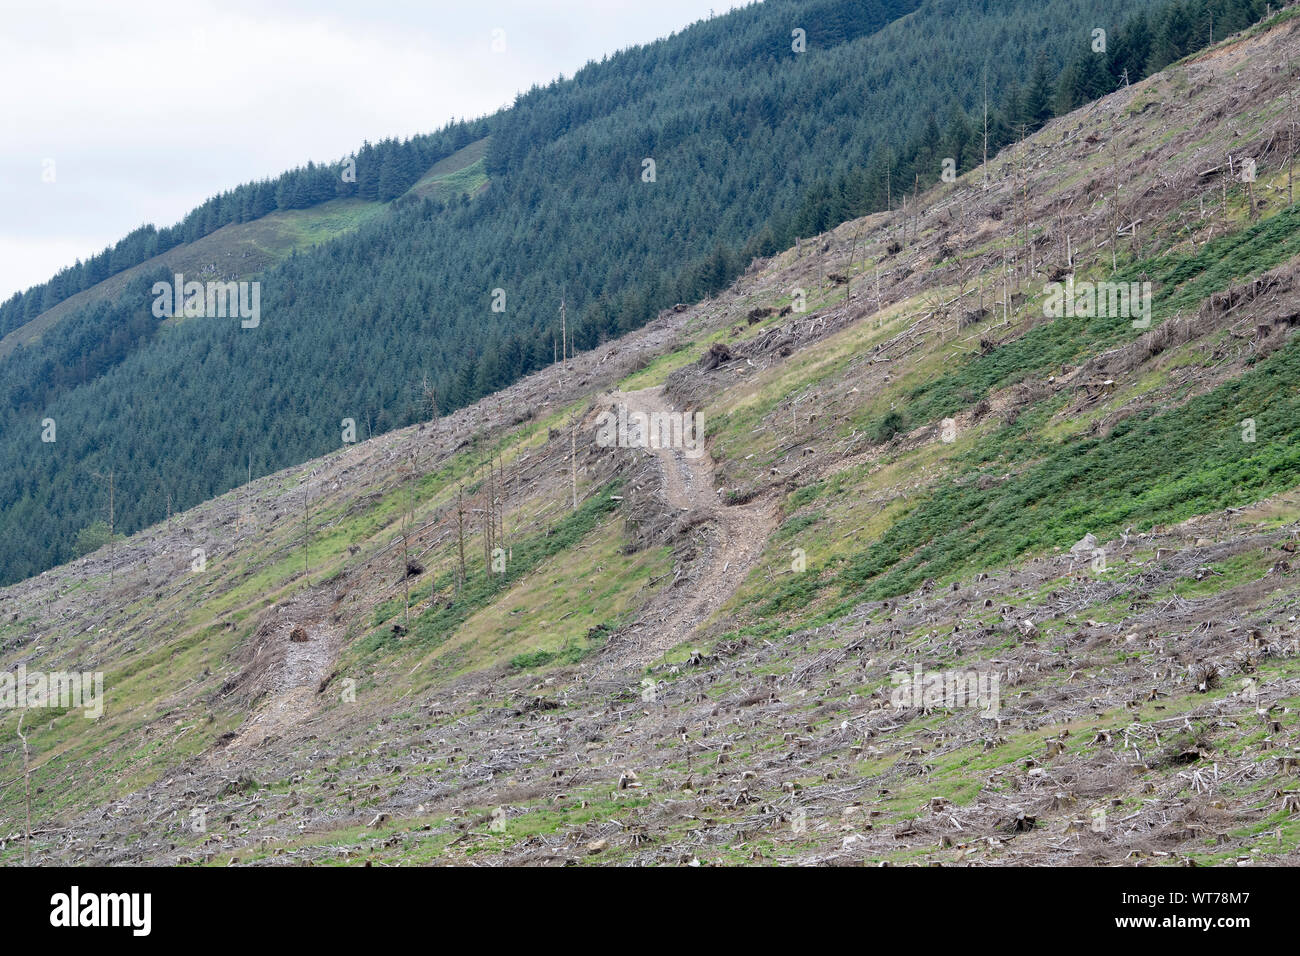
(697, 662)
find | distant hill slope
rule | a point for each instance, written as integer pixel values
(746, 135)
(462, 173)
(245, 250)
(499, 637)
(375, 173)
(237, 251)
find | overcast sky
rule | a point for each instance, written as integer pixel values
(141, 109)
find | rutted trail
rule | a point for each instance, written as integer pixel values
(295, 654)
(735, 539)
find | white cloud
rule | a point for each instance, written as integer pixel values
(148, 107)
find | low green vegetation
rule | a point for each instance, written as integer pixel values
(481, 587)
(1153, 468)
(1180, 282)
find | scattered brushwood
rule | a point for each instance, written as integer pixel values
(1205, 676)
(1271, 285)
(717, 355)
(540, 704)
(646, 514)
(686, 521)
(1020, 822)
(244, 783)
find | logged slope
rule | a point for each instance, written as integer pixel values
(356, 327)
(653, 676)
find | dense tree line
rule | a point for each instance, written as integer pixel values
(1146, 43)
(752, 142)
(87, 345)
(383, 171)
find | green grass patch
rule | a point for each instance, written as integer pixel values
(1153, 468)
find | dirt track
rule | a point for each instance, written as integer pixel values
(735, 539)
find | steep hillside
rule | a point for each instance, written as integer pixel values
(375, 173)
(246, 250)
(910, 466)
(645, 180)
(234, 252)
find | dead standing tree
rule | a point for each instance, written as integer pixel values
(1290, 140)
(239, 500)
(1114, 203)
(485, 534)
(573, 460)
(430, 396)
(408, 519)
(1024, 207)
(306, 529)
(460, 534)
(27, 794)
(573, 428)
(502, 494)
(853, 251)
(489, 516)
(986, 126)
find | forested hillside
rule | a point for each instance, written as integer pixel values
(377, 172)
(645, 180)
